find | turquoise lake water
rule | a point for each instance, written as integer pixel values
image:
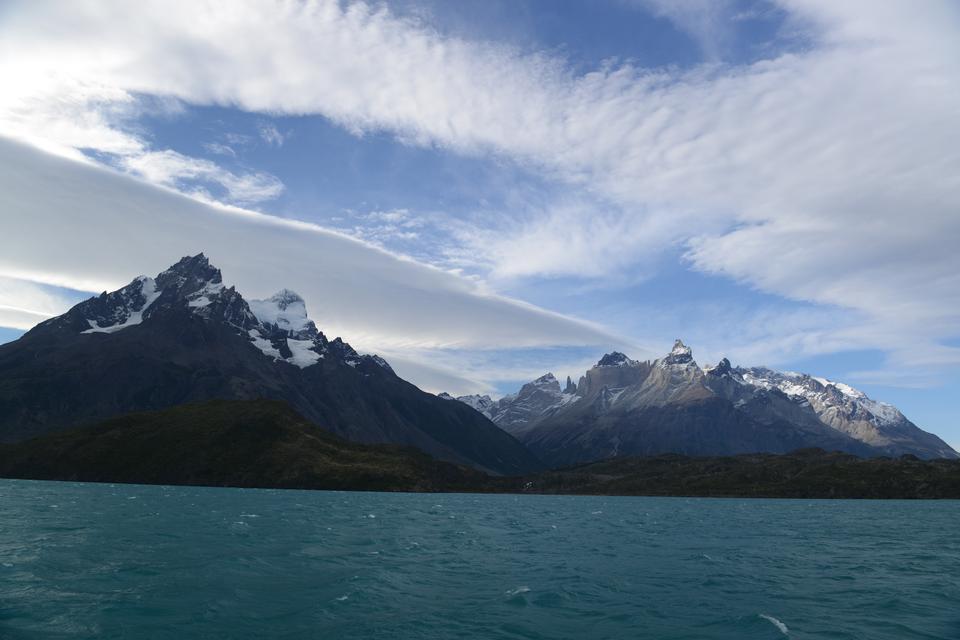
(129, 561)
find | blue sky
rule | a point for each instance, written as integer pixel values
(771, 181)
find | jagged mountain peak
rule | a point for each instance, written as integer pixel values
(278, 327)
(723, 368)
(618, 408)
(681, 354)
(189, 274)
(547, 383)
(615, 359)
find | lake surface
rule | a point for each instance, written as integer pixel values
(130, 561)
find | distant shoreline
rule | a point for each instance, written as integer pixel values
(264, 444)
(489, 492)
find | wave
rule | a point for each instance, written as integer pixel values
(779, 625)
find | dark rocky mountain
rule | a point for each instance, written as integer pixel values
(235, 443)
(184, 336)
(622, 407)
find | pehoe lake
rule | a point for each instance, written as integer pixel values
(132, 561)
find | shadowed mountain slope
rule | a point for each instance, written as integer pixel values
(184, 336)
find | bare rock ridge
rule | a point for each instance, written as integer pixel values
(671, 405)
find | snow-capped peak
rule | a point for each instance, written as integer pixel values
(680, 354)
(823, 394)
(189, 275)
(284, 310)
(615, 359)
(278, 326)
(547, 379)
(479, 403)
(680, 349)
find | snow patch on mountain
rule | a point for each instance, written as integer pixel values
(129, 313)
(205, 296)
(264, 345)
(304, 354)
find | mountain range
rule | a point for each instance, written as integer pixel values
(184, 336)
(624, 407)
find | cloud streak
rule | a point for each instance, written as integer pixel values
(828, 175)
(73, 225)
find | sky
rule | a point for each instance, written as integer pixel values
(483, 191)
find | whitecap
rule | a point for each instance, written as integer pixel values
(779, 625)
(342, 598)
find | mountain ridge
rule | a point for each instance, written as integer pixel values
(628, 407)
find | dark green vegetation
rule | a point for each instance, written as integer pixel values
(256, 443)
(264, 443)
(807, 473)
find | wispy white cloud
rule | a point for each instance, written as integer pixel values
(220, 149)
(23, 303)
(119, 227)
(271, 135)
(173, 169)
(827, 175)
(708, 22)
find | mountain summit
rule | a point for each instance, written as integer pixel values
(185, 336)
(670, 405)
